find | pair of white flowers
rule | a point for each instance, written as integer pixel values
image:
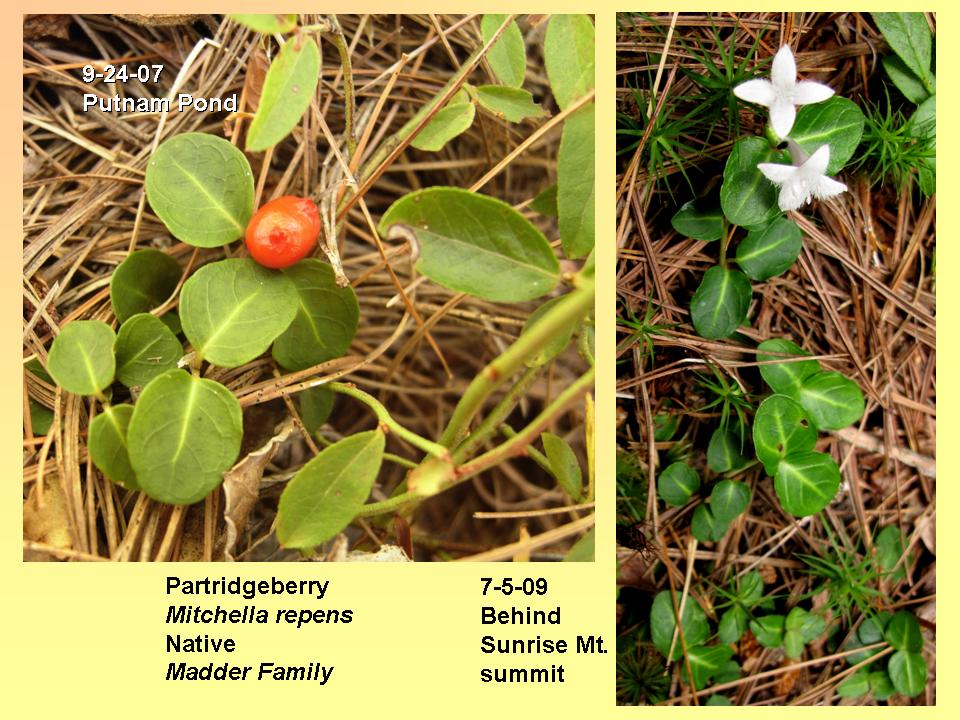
(806, 179)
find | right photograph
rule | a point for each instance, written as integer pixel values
(776, 358)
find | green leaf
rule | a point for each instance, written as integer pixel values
(449, 122)
(733, 624)
(907, 83)
(328, 492)
(872, 628)
(728, 499)
(476, 244)
(143, 282)
(770, 251)
(727, 672)
(719, 701)
(857, 685)
(831, 400)
(663, 622)
(233, 309)
(576, 199)
(267, 24)
(315, 406)
(184, 434)
(908, 671)
(81, 359)
(705, 662)
(720, 304)
(563, 463)
(107, 444)
(583, 549)
(326, 318)
(288, 88)
(568, 51)
(36, 367)
(677, 483)
(787, 376)
(768, 630)
(750, 590)
(545, 202)
(792, 644)
(837, 122)
(923, 124)
(746, 196)
(809, 625)
(723, 452)
(780, 428)
(881, 685)
(908, 35)
(508, 55)
(201, 187)
(556, 344)
(172, 321)
(145, 348)
(903, 632)
(512, 104)
(698, 220)
(707, 527)
(41, 418)
(806, 482)
(889, 545)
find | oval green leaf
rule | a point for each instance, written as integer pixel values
(857, 685)
(555, 345)
(568, 51)
(837, 122)
(449, 122)
(733, 623)
(326, 318)
(564, 464)
(512, 104)
(780, 428)
(907, 83)
(705, 663)
(889, 545)
(288, 88)
(784, 377)
(908, 671)
(41, 418)
(806, 482)
(728, 499)
(576, 200)
(723, 452)
(707, 527)
(909, 37)
(545, 202)
(267, 24)
(770, 251)
(476, 244)
(184, 434)
(107, 444)
(201, 187)
(583, 549)
(696, 219)
(327, 492)
(903, 632)
(677, 483)
(145, 348)
(720, 304)
(663, 623)
(809, 625)
(881, 685)
(233, 309)
(768, 630)
(746, 196)
(508, 55)
(81, 359)
(832, 400)
(142, 282)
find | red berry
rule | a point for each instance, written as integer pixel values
(283, 231)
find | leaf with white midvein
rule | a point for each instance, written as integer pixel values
(806, 482)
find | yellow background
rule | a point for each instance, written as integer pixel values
(88, 640)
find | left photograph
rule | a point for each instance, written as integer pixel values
(308, 287)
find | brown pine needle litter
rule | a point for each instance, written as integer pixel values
(860, 298)
(418, 345)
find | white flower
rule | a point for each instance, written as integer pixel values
(782, 93)
(799, 184)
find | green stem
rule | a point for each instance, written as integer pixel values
(496, 416)
(389, 457)
(349, 99)
(522, 439)
(396, 503)
(429, 447)
(538, 457)
(573, 306)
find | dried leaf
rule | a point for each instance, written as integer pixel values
(257, 68)
(36, 27)
(787, 681)
(49, 522)
(241, 486)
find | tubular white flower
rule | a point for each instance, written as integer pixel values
(801, 183)
(782, 93)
